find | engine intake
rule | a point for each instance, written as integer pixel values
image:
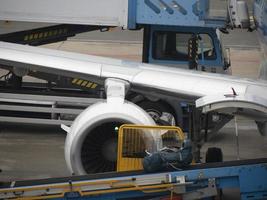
(91, 143)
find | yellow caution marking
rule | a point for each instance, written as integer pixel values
(36, 36)
(84, 83)
(94, 86)
(50, 33)
(45, 34)
(89, 85)
(41, 35)
(74, 80)
(26, 38)
(79, 82)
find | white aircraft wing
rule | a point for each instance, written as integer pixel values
(212, 91)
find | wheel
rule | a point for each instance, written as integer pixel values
(15, 81)
(214, 154)
(160, 112)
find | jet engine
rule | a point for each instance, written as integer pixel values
(91, 143)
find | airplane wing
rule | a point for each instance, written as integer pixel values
(212, 91)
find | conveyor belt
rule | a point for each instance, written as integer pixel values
(124, 174)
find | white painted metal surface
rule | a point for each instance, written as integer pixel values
(89, 12)
(115, 109)
(143, 78)
(230, 104)
(192, 84)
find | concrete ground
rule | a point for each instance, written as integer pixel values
(32, 152)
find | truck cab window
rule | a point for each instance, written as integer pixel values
(206, 47)
(174, 46)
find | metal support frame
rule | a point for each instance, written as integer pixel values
(116, 89)
(177, 13)
(133, 139)
(195, 131)
(209, 191)
(51, 110)
(200, 180)
(46, 35)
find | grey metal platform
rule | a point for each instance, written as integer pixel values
(89, 12)
(50, 110)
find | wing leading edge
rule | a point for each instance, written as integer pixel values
(142, 77)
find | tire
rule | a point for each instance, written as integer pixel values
(156, 111)
(214, 154)
(15, 81)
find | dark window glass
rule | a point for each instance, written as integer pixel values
(174, 46)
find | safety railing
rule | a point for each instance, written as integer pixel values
(135, 142)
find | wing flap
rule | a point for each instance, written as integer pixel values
(247, 105)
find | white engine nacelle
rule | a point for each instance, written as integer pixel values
(91, 144)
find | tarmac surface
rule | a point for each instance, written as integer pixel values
(33, 152)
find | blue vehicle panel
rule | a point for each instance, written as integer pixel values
(172, 13)
(214, 64)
